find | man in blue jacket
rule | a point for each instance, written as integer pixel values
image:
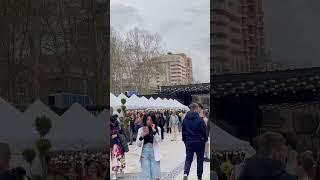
(194, 136)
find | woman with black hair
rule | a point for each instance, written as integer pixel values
(117, 148)
(148, 140)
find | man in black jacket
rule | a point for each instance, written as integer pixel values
(194, 136)
(5, 173)
(269, 162)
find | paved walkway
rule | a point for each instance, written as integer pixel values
(172, 162)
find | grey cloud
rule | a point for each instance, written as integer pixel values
(183, 27)
(194, 11)
(201, 67)
(123, 16)
(292, 31)
(172, 24)
(202, 44)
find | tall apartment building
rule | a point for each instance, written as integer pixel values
(253, 33)
(237, 34)
(172, 69)
(226, 48)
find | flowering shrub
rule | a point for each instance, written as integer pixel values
(61, 162)
(226, 168)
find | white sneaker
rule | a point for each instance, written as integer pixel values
(114, 177)
(185, 177)
(121, 174)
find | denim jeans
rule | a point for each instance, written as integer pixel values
(175, 131)
(150, 167)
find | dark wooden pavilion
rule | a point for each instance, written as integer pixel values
(184, 92)
(243, 103)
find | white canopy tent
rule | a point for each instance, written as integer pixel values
(78, 129)
(122, 96)
(18, 128)
(114, 101)
(136, 103)
(223, 141)
(11, 126)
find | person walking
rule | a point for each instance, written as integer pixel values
(194, 136)
(204, 115)
(180, 121)
(148, 140)
(132, 128)
(118, 147)
(5, 156)
(161, 123)
(174, 121)
(269, 162)
(292, 153)
(167, 119)
(138, 122)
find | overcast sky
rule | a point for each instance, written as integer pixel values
(184, 26)
(292, 30)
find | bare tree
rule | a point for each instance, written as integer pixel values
(14, 24)
(118, 66)
(132, 60)
(142, 47)
(53, 45)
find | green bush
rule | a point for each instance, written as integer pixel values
(123, 101)
(123, 108)
(43, 146)
(29, 155)
(43, 125)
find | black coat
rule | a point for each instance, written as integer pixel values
(265, 169)
(7, 175)
(194, 128)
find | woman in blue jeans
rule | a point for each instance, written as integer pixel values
(148, 139)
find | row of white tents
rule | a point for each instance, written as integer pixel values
(138, 103)
(76, 129)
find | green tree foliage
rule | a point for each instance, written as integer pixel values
(43, 125)
(42, 146)
(29, 155)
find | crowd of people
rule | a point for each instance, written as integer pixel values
(276, 158)
(70, 164)
(162, 120)
(62, 165)
(146, 130)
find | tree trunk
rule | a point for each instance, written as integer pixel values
(35, 46)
